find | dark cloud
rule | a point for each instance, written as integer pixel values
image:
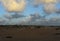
(17, 16)
(26, 20)
(58, 11)
(11, 16)
(8, 16)
(2, 21)
(34, 19)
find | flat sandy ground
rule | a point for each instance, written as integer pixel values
(28, 34)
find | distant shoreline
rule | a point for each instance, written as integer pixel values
(38, 26)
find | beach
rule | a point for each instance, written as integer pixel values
(29, 34)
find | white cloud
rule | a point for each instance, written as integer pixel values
(37, 2)
(50, 1)
(13, 6)
(49, 5)
(50, 8)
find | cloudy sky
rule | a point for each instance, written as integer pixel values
(29, 12)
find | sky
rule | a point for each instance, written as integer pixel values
(30, 12)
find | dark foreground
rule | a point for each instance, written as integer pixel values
(15, 33)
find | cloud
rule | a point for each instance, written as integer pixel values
(49, 8)
(18, 21)
(34, 19)
(50, 1)
(17, 16)
(58, 1)
(12, 16)
(3, 21)
(14, 19)
(23, 20)
(31, 19)
(49, 5)
(13, 5)
(37, 2)
(54, 22)
(55, 18)
(58, 11)
(8, 16)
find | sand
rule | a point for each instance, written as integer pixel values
(29, 34)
